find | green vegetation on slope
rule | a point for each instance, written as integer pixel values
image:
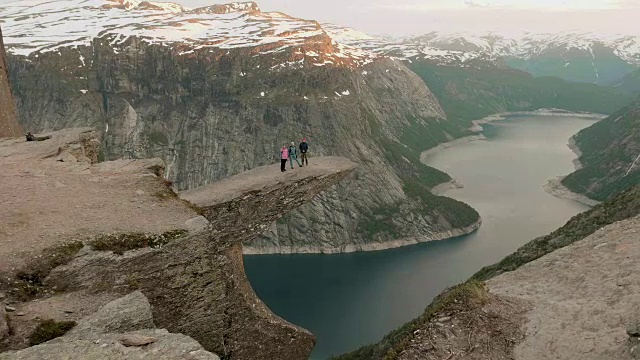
(623, 206)
(601, 66)
(470, 94)
(609, 148)
(630, 83)
(416, 138)
(418, 179)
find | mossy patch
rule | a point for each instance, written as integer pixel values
(31, 277)
(120, 243)
(49, 330)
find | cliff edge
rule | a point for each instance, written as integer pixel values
(132, 233)
(583, 297)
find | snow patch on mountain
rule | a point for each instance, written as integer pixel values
(43, 26)
(463, 49)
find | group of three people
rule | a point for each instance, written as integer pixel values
(291, 153)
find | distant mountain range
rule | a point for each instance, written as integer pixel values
(579, 57)
(51, 25)
(572, 56)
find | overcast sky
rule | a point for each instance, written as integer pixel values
(404, 17)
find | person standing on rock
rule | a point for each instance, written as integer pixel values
(284, 156)
(293, 155)
(304, 147)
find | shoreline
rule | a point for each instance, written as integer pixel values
(438, 148)
(446, 186)
(576, 150)
(377, 246)
(477, 124)
(556, 188)
(477, 128)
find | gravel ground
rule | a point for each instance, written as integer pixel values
(44, 202)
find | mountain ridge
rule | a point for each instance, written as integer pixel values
(573, 56)
(216, 28)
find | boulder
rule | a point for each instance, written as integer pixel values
(633, 330)
(129, 313)
(197, 223)
(109, 347)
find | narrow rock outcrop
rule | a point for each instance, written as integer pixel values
(197, 285)
(210, 117)
(8, 121)
(194, 280)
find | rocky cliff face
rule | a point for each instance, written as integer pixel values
(8, 122)
(212, 113)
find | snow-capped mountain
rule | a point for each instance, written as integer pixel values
(407, 49)
(582, 57)
(33, 26)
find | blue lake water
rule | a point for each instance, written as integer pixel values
(350, 300)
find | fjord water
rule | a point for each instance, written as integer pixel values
(350, 300)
